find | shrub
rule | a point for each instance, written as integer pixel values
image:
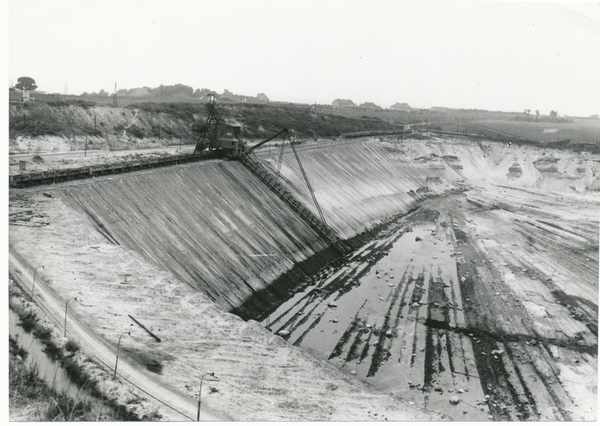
(43, 333)
(29, 321)
(136, 132)
(15, 349)
(72, 345)
(52, 350)
(74, 371)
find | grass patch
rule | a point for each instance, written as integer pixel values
(32, 400)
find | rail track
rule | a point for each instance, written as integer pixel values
(85, 172)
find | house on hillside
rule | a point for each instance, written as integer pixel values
(262, 97)
(370, 105)
(343, 103)
(401, 106)
(16, 95)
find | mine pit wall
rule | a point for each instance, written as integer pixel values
(359, 185)
(216, 227)
(220, 230)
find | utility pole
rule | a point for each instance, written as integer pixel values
(119, 347)
(115, 95)
(200, 394)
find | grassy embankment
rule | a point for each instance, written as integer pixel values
(139, 123)
(107, 126)
(32, 399)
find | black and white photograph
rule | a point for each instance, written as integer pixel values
(302, 211)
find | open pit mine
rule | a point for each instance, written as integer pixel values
(377, 278)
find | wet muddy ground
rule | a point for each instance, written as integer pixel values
(483, 305)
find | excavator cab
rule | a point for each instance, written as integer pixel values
(226, 136)
(218, 133)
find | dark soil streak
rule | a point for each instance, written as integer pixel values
(380, 355)
(339, 348)
(413, 351)
(530, 400)
(558, 404)
(352, 327)
(309, 329)
(354, 347)
(431, 358)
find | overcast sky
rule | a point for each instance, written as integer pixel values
(505, 56)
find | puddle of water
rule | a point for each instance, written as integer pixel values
(368, 318)
(365, 289)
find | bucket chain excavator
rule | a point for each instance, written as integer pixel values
(224, 135)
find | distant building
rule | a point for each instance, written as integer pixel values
(17, 95)
(370, 105)
(401, 106)
(343, 103)
(262, 97)
(439, 109)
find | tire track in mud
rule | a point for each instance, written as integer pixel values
(512, 393)
(381, 353)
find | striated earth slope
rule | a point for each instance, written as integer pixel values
(358, 184)
(219, 229)
(215, 226)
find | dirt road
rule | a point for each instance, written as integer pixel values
(176, 407)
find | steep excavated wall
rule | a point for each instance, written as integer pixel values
(358, 184)
(215, 226)
(219, 229)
